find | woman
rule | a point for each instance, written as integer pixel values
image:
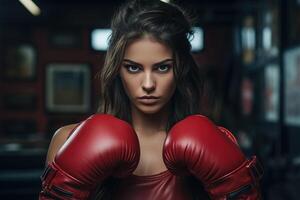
(150, 89)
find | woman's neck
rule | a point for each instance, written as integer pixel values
(149, 124)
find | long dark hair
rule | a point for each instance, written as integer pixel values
(168, 24)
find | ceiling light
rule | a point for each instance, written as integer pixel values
(31, 7)
(166, 1)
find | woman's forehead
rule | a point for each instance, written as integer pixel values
(147, 48)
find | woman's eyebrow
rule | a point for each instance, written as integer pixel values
(155, 64)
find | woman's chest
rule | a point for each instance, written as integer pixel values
(151, 160)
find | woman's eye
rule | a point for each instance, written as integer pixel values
(132, 68)
(163, 68)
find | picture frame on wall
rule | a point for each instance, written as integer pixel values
(20, 62)
(248, 39)
(68, 87)
(292, 86)
(271, 92)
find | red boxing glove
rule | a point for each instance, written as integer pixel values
(196, 146)
(99, 147)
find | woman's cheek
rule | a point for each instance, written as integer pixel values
(130, 88)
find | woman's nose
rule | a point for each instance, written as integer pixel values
(148, 84)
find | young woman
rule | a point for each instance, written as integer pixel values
(148, 140)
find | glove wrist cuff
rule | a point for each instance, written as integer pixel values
(57, 184)
(244, 178)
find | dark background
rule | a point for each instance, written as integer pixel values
(27, 125)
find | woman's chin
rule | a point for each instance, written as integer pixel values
(149, 110)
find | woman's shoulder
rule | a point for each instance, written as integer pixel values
(64, 131)
(58, 139)
(62, 134)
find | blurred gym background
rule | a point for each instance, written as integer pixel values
(249, 51)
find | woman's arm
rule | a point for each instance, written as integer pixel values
(58, 139)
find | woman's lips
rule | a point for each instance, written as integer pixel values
(148, 99)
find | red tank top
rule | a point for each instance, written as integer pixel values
(162, 186)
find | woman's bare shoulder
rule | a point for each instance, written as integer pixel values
(64, 131)
(58, 139)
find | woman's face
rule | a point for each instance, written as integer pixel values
(147, 74)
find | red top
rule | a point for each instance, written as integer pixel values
(163, 186)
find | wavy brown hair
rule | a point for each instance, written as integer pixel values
(168, 24)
